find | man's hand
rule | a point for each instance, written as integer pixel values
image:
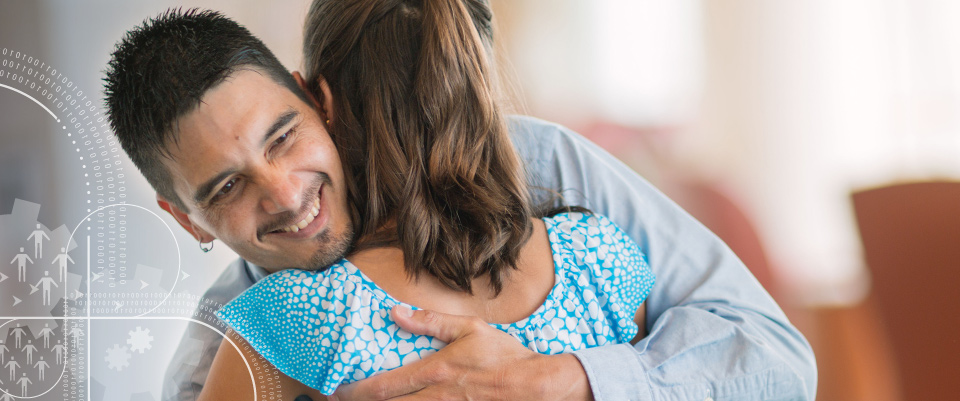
(478, 363)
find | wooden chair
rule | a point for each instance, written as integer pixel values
(911, 240)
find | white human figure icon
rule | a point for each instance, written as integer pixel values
(6, 397)
(63, 258)
(46, 281)
(24, 382)
(38, 236)
(29, 349)
(12, 365)
(76, 333)
(3, 352)
(41, 365)
(17, 333)
(46, 332)
(60, 350)
(21, 261)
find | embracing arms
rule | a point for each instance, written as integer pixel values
(713, 330)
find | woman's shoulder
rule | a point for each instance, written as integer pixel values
(602, 262)
(592, 234)
(592, 244)
(324, 328)
(597, 253)
(580, 226)
(294, 317)
(295, 283)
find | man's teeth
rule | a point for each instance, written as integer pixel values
(306, 220)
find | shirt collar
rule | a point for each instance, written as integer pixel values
(255, 273)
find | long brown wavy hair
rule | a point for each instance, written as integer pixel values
(421, 133)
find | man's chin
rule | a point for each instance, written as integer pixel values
(332, 248)
(336, 250)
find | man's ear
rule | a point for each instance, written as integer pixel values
(325, 104)
(184, 219)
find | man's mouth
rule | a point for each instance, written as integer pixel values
(312, 220)
(311, 214)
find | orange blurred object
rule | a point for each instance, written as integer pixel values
(911, 239)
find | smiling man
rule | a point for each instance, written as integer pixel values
(238, 152)
(241, 156)
(260, 171)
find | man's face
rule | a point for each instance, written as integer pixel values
(257, 169)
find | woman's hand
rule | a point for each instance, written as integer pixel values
(479, 363)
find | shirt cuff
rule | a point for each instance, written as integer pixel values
(614, 373)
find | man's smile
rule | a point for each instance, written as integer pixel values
(308, 224)
(287, 204)
(306, 220)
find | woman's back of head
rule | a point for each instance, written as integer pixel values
(421, 132)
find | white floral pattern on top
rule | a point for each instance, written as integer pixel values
(331, 327)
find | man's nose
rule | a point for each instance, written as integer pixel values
(282, 193)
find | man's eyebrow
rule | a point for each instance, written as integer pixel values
(209, 185)
(281, 121)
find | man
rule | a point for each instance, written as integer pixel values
(238, 152)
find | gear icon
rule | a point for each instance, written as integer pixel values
(118, 357)
(140, 340)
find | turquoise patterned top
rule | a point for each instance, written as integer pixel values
(324, 328)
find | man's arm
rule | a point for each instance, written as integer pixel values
(478, 363)
(714, 332)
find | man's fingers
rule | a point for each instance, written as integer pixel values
(444, 327)
(408, 381)
(384, 386)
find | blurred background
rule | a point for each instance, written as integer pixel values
(820, 139)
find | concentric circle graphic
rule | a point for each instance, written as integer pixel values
(76, 309)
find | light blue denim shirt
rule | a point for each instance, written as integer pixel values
(714, 332)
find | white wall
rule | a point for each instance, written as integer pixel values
(790, 105)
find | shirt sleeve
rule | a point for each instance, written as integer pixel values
(333, 328)
(611, 265)
(283, 300)
(714, 332)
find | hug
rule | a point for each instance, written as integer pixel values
(402, 236)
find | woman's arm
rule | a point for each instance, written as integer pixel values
(640, 318)
(238, 371)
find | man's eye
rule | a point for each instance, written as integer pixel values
(225, 190)
(282, 138)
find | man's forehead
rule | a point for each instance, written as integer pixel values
(230, 123)
(240, 108)
(231, 116)
(243, 99)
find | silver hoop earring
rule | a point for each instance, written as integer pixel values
(206, 249)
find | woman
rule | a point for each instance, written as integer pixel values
(437, 188)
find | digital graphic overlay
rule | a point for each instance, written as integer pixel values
(82, 303)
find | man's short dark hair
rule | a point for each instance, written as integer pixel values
(161, 69)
